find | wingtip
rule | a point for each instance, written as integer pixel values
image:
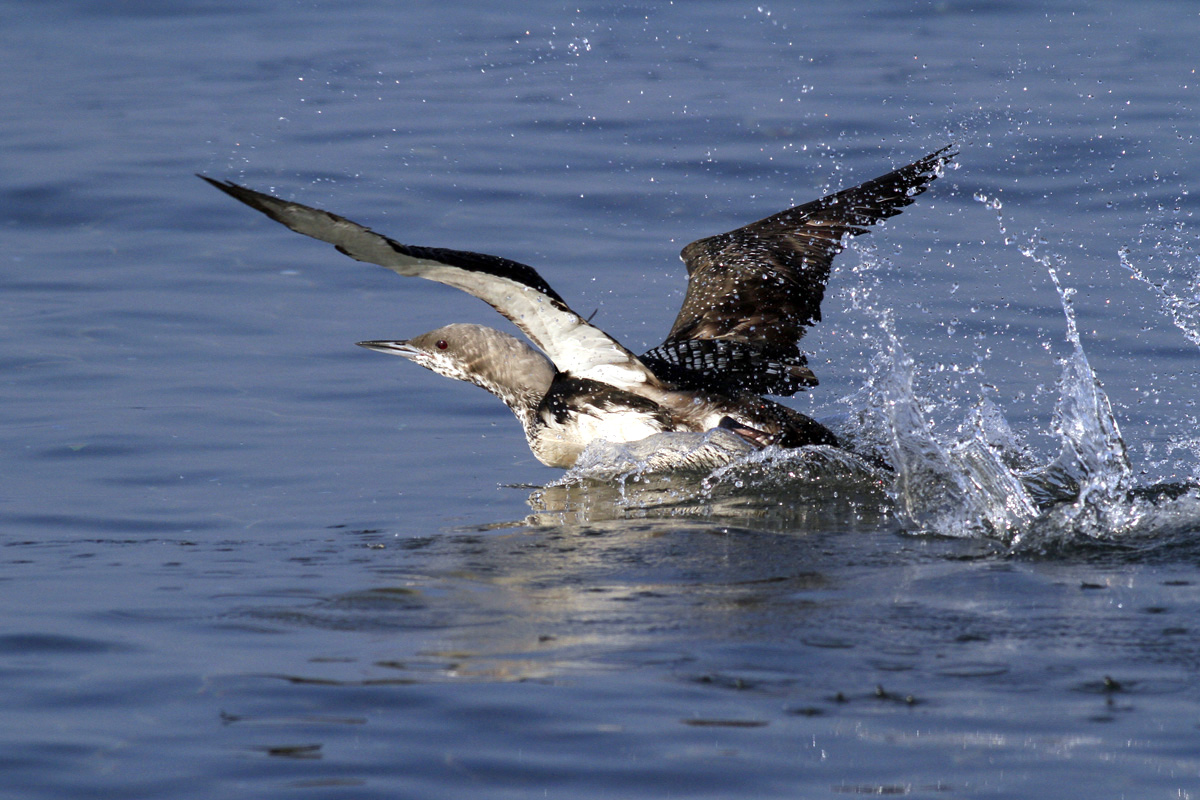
(924, 171)
(222, 185)
(228, 187)
(942, 156)
(247, 196)
(272, 206)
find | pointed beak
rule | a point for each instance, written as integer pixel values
(400, 348)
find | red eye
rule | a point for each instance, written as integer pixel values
(441, 344)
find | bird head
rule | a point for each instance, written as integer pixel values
(503, 364)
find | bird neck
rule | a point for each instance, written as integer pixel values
(513, 371)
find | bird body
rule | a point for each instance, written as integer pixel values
(560, 413)
(751, 295)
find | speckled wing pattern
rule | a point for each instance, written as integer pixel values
(514, 289)
(753, 292)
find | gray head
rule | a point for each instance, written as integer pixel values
(503, 364)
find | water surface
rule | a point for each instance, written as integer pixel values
(242, 556)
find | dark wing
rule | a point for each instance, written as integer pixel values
(752, 292)
(570, 397)
(513, 289)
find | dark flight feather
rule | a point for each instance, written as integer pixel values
(752, 292)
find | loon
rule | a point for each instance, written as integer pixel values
(752, 293)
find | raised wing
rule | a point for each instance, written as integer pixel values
(752, 292)
(513, 289)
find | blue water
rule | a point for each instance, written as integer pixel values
(241, 557)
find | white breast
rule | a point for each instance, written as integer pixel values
(559, 445)
(616, 426)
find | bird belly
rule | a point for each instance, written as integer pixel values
(618, 426)
(560, 443)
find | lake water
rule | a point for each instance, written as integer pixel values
(242, 557)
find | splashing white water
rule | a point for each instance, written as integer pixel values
(978, 481)
(961, 489)
(984, 482)
(1169, 267)
(1181, 307)
(1172, 254)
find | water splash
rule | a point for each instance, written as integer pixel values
(807, 488)
(961, 488)
(1181, 307)
(983, 480)
(1168, 265)
(978, 480)
(1172, 252)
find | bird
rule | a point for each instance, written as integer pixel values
(751, 295)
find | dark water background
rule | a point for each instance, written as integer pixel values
(241, 557)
